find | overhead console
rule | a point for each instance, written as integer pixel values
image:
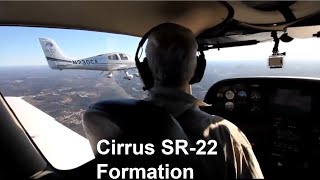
(280, 116)
(253, 22)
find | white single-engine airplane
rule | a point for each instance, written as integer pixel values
(104, 62)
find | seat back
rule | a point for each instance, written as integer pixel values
(135, 121)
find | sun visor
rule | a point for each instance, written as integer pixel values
(131, 17)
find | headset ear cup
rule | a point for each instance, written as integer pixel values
(199, 71)
(145, 74)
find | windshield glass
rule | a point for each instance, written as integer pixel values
(302, 59)
(50, 100)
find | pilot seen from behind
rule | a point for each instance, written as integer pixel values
(171, 53)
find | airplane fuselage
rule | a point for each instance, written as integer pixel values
(110, 62)
(101, 62)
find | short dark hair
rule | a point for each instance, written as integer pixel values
(172, 51)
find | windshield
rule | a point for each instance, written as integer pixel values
(302, 59)
(48, 98)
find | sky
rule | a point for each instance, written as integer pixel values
(19, 46)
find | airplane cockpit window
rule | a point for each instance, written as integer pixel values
(113, 57)
(123, 57)
(57, 74)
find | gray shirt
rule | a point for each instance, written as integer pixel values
(235, 157)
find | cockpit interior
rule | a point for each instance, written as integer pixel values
(279, 115)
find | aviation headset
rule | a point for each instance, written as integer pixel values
(145, 72)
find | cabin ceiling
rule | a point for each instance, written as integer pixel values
(211, 21)
(132, 18)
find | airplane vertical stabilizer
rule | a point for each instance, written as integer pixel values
(53, 53)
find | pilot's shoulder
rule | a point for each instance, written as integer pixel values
(222, 127)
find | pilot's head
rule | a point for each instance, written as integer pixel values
(171, 51)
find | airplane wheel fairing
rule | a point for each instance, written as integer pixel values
(129, 77)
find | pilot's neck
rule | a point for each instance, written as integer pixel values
(186, 88)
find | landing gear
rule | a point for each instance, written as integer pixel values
(137, 73)
(110, 74)
(128, 76)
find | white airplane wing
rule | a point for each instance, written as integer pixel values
(63, 148)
